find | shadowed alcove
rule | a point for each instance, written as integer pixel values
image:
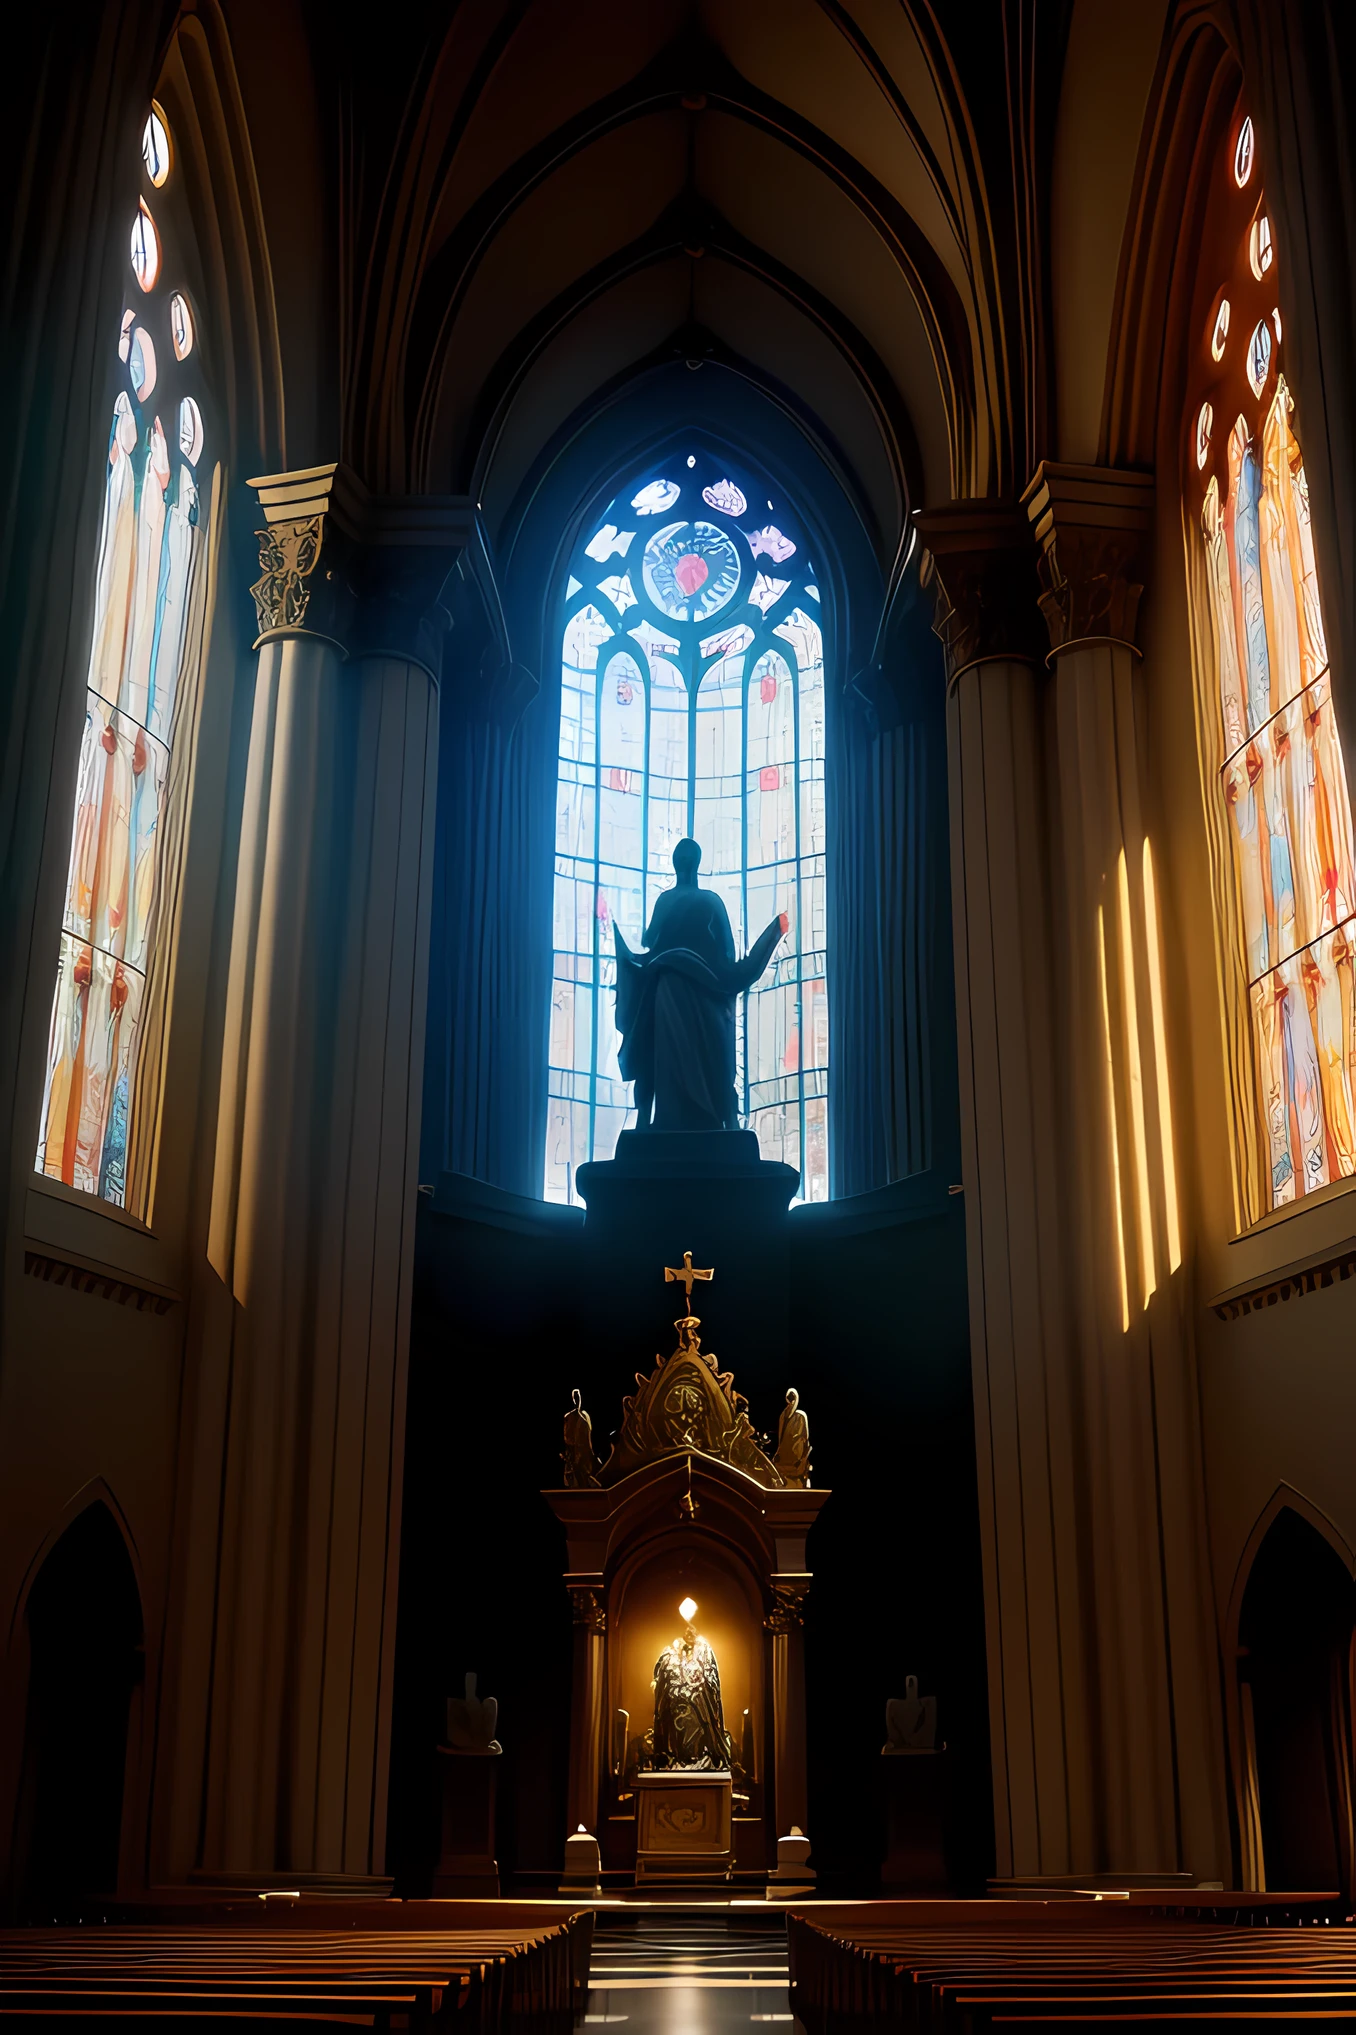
(85, 1638)
(1296, 1632)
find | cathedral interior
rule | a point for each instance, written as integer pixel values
(678, 1025)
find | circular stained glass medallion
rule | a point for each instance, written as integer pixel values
(190, 430)
(1221, 331)
(141, 363)
(155, 147)
(1259, 357)
(181, 326)
(691, 570)
(145, 249)
(654, 499)
(1243, 153)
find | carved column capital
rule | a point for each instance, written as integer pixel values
(981, 562)
(295, 507)
(587, 1608)
(1093, 526)
(788, 1602)
(366, 571)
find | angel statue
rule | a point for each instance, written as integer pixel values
(577, 1458)
(689, 1724)
(793, 1441)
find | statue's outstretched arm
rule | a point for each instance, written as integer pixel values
(760, 953)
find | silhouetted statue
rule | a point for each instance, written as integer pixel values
(911, 1721)
(676, 1005)
(577, 1459)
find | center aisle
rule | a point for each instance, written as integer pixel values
(689, 1974)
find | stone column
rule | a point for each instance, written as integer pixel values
(1103, 1699)
(791, 1797)
(313, 1197)
(1150, 1616)
(586, 1709)
(981, 564)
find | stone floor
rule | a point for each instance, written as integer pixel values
(684, 1974)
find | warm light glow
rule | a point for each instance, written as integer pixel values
(1130, 1012)
(1161, 1061)
(1111, 1118)
(1260, 250)
(687, 1610)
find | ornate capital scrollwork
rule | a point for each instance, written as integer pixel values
(588, 1609)
(388, 563)
(1092, 525)
(980, 564)
(787, 1607)
(288, 555)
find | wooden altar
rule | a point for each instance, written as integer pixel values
(689, 1504)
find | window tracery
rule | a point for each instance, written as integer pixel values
(1280, 779)
(692, 704)
(143, 652)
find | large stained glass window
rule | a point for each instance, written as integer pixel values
(147, 621)
(692, 703)
(1281, 781)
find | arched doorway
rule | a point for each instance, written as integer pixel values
(1296, 1629)
(85, 1644)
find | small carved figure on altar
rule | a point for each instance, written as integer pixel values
(793, 1442)
(577, 1457)
(911, 1720)
(471, 1720)
(688, 1339)
(739, 1444)
(689, 1722)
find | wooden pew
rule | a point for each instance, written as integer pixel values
(280, 1911)
(243, 1969)
(1072, 1965)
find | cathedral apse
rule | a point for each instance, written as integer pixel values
(674, 639)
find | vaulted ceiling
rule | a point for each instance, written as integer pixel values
(837, 199)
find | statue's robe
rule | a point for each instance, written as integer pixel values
(689, 1723)
(676, 1010)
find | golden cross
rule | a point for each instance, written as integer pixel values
(686, 1275)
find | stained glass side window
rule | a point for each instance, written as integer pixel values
(692, 703)
(1281, 780)
(146, 577)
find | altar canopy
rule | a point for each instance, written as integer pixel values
(686, 1564)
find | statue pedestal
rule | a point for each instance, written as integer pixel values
(704, 1191)
(683, 1827)
(467, 1867)
(917, 1788)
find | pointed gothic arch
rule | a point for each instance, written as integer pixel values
(1286, 1505)
(80, 1625)
(701, 714)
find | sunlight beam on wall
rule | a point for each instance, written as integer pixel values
(1111, 1119)
(1161, 1063)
